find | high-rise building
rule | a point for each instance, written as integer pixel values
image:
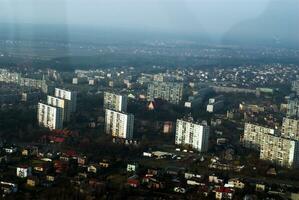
(293, 108)
(279, 150)
(295, 86)
(253, 135)
(50, 116)
(168, 91)
(61, 103)
(290, 128)
(119, 124)
(68, 95)
(272, 145)
(192, 133)
(115, 102)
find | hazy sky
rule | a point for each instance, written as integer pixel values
(213, 16)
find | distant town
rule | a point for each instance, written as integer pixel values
(151, 133)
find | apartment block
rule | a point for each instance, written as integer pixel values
(254, 135)
(119, 124)
(115, 102)
(61, 103)
(50, 116)
(279, 150)
(68, 95)
(168, 91)
(192, 133)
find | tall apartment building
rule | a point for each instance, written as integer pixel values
(279, 150)
(50, 116)
(119, 124)
(168, 91)
(61, 103)
(295, 85)
(253, 135)
(293, 108)
(192, 133)
(290, 128)
(115, 102)
(272, 145)
(68, 95)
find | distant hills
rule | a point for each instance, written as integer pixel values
(277, 26)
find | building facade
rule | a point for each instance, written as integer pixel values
(192, 133)
(253, 135)
(68, 95)
(50, 116)
(115, 102)
(119, 124)
(279, 150)
(293, 108)
(168, 91)
(61, 103)
(290, 128)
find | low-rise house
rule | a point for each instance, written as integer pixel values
(224, 193)
(93, 168)
(236, 183)
(133, 181)
(24, 171)
(32, 181)
(215, 179)
(104, 164)
(42, 167)
(10, 150)
(132, 167)
(260, 187)
(82, 160)
(8, 187)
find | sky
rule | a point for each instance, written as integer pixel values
(214, 16)
(251, 20)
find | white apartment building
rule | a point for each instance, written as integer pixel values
(50, 116)
(279, 150)
(168, 91)
(68, 95)
(191, 133)
(253, 135)
(61, 103)
(115, 102)
(290, 128)
(119, 124)
(272, 145)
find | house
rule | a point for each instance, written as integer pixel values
(93, 168)
(224, 193)
(236, 183)
(153, 171)
(10, 150)
(215, 179)
(8, 187)
(132, 167)
(133, 181)
(155, 184)
(42, 167)
(260, 187)
(104, 164)
(82, 160)
(30, 151)
(32, 181)
(51, 178)
(195, 181)
(24, 171)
